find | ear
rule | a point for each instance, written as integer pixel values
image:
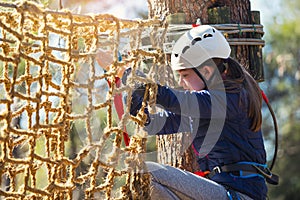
(207, 72)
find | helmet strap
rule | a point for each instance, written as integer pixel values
(200, 75)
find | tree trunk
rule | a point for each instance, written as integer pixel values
(171, 148)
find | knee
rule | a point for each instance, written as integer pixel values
(152, 167)
(155, 168)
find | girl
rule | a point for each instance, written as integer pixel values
(221, 107)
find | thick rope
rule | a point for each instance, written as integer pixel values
(52, 90)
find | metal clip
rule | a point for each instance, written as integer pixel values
(217, 170)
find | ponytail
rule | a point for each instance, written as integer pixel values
(236, 79)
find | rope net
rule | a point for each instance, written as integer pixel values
(60, 137)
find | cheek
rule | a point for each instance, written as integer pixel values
(197, 85)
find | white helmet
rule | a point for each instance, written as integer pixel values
(198, 45)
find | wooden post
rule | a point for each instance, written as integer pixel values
(255, 53)
(254, 63)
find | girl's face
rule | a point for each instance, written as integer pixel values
(189, 80)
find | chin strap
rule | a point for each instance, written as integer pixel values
(200, 75)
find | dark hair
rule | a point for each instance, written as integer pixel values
(238, 78)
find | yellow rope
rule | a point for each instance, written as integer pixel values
(47, 60)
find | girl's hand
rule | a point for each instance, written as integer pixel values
(104, 58)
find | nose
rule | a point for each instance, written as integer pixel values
(180, 81)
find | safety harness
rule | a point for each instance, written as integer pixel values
(246, 169)
(241, 169)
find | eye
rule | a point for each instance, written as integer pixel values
(184, 75)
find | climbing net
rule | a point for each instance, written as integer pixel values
(59, 134)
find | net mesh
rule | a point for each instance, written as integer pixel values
(60, 136)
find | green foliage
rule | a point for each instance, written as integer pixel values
(282, 61)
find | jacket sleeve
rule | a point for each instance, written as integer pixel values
(194, 104)
(167, 123)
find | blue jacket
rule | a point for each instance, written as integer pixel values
(221, 132)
